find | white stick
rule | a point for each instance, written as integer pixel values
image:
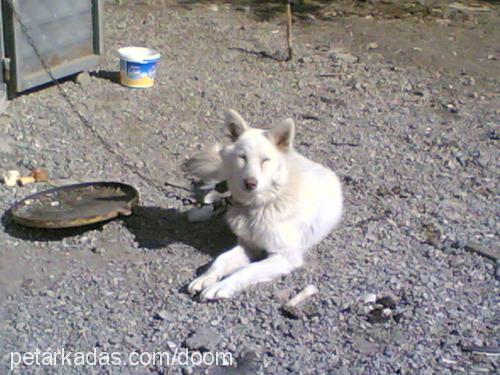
(307, 292)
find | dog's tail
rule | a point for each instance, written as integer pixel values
(206, 165)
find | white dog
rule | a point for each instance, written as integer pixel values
(283, 204)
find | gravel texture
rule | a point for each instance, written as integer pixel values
(403, 103)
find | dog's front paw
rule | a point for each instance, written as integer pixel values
(201, 283)
(220, 290)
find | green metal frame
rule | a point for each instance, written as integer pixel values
(18, 82)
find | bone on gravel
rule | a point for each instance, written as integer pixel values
(40, 174)
(295, 307)
(11, 177)
(26, 180)
(304, 294)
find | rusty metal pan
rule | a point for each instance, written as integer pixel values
(76, 205)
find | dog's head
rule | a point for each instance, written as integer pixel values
(256, 160)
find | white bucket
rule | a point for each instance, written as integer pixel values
(138, 66)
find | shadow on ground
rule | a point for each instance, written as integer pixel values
(155, 227)
(43, 235)
(276, 56)
(42, 87)
(152, 227)
(109, 75)
(267, 9)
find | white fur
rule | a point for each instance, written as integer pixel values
(295, 204)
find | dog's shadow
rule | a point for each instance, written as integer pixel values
(155, 227)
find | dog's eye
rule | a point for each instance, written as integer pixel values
(243, 157)
(265, 160)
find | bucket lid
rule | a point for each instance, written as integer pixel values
(138, 54)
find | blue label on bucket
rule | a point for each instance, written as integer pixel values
(138, 74)
(139, 70)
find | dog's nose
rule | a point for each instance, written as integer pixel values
(250, 183)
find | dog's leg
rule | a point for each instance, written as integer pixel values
(225, 264)
(264, 270)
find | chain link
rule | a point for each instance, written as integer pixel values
(169, 194)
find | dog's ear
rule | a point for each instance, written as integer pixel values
(235, 125)
(283, 133)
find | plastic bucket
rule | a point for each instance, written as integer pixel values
(138, 66)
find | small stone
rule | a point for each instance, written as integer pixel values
(387, 302)
(172, 345)
(433, 234)
(450, 107)
(379, 315)
(83, 79)
(389, 351)
(365, 309)
(243, 8)
(28, 283)
(303, 311)
(49, 293)
(368, 298)
(398, 317)
(163, 315)
(371, 46)
(347, 57)
(98, 250)
(456, 262)
(386, 313)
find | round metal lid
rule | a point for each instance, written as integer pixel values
(76, 205)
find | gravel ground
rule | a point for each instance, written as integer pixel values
(403, 106)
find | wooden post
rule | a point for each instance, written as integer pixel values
(289, 29)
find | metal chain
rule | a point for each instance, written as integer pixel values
(169, 194)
